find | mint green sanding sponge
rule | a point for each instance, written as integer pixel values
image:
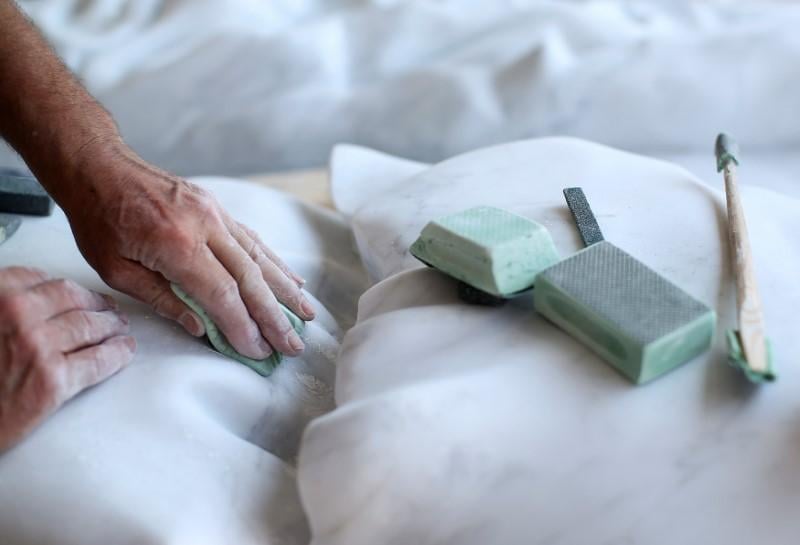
(490, 249)
(220, 343)
(631, 316)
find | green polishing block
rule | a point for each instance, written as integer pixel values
(489, 249)
(631, 316)
(220, 343)
(8, 226)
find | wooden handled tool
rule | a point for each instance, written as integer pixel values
(749, 346)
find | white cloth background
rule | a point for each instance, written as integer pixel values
(463, 425)
(184, 446)
(202, 86)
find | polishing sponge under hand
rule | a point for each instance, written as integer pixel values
(627, 313)
(220, 343)
(488, 248)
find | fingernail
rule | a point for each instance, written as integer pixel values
(264, 347)
(192, 324)
(123, 318)
(295, 342)
(307, 309)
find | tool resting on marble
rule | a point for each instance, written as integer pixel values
(494, 254)
(749, 349)
(218, 341)
(631, 316)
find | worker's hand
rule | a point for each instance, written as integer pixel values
(56, 339)
(142, 229)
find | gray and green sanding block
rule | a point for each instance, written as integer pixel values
(263, 367)
(631, 316)
(494, 254)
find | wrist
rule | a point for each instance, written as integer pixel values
(85, 172)
(75, 144)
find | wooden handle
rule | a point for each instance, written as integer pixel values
(752, 333)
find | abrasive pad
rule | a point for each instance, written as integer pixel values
(631, 316)
(489, 249)
(220, 343)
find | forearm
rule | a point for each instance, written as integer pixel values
(45, 113)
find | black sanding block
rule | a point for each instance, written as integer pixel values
(583, 215)
(20, 194)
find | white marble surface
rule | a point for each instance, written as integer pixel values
(184, 446)
(467, 425)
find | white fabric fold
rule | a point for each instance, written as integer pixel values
(200, 86)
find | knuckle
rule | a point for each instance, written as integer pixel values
(253, 251)
(28, 272)
(249, 232)
(226, 293)
(207, 205)
(31, 343)
(180, 240)
(276, 321)
(14, 307)
(162, 304)
(47, 385)
(249, 275)
(83, 324)
(67, 289)
(287, 292)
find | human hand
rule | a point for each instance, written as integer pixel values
(142, 229)
(56, 339)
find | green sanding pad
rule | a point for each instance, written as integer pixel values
(8, 226)
(736, 359)
(220, 343)
(627, 313)
(23, 195)
(490, 249)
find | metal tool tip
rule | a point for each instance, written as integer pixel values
(726, 149)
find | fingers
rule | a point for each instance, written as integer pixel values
(275, 274)
(20, 278)
(237, 229)
(79, 329)
(55, 297)
(97, 363)
(152, 288)
(218, 293)
(35, 305)
(257, 296)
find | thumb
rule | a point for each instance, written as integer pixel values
(152, 288)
